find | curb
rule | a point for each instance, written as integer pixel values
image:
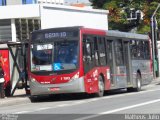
(13, 101)
(154, 82)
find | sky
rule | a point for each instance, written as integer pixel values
(75, 1)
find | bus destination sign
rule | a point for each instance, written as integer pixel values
(55, 35)
(51, 35)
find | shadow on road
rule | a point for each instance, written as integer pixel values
(70, 97)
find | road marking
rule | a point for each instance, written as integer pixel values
(62, 105)
(94, 99)
(45, 108)
(127, 94)
(132, 106)
(39, 109)
(119, 109)
(78, 102)
(9, 106)
(21, 112)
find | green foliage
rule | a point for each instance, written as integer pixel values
(143, 29)
(119, 9)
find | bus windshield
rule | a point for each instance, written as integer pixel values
(54, 56)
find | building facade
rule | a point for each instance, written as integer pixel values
(17, 21)
(27, 18)
(9, 28)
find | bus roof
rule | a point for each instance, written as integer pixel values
(59, 28)
(112, 33)
(109, 33)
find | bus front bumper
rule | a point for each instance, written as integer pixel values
(74, 86)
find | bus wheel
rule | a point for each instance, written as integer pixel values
(100, 92)
(138, 83)
(34, 98)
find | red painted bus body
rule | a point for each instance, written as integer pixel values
(50, 77)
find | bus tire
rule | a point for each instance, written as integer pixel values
(130, 89)
(100, 92)
(138, 83)
(34, 99)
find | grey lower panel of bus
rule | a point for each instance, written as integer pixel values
(143, 66)
(147, 80)
(74, 86)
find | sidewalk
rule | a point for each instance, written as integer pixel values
(156, 81)
(20, 96)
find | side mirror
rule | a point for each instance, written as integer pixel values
(88, 49)
(88, 52)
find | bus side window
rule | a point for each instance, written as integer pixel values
(146, 49)
(88, 53)
(101, 49)
(87, 50)
(140, 50)
(96, 52)
(133, 49)
(119, 53)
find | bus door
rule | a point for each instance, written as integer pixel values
(127, 60)
(120, 66)
(88, 53)
(111, 60)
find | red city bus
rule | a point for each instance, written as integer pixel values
(83, 60)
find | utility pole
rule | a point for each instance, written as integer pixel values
(154, 41)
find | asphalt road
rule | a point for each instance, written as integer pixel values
(114, 105)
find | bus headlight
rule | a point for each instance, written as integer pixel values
(33, 79)
(75, 76)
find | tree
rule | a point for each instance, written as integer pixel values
(120, 10)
